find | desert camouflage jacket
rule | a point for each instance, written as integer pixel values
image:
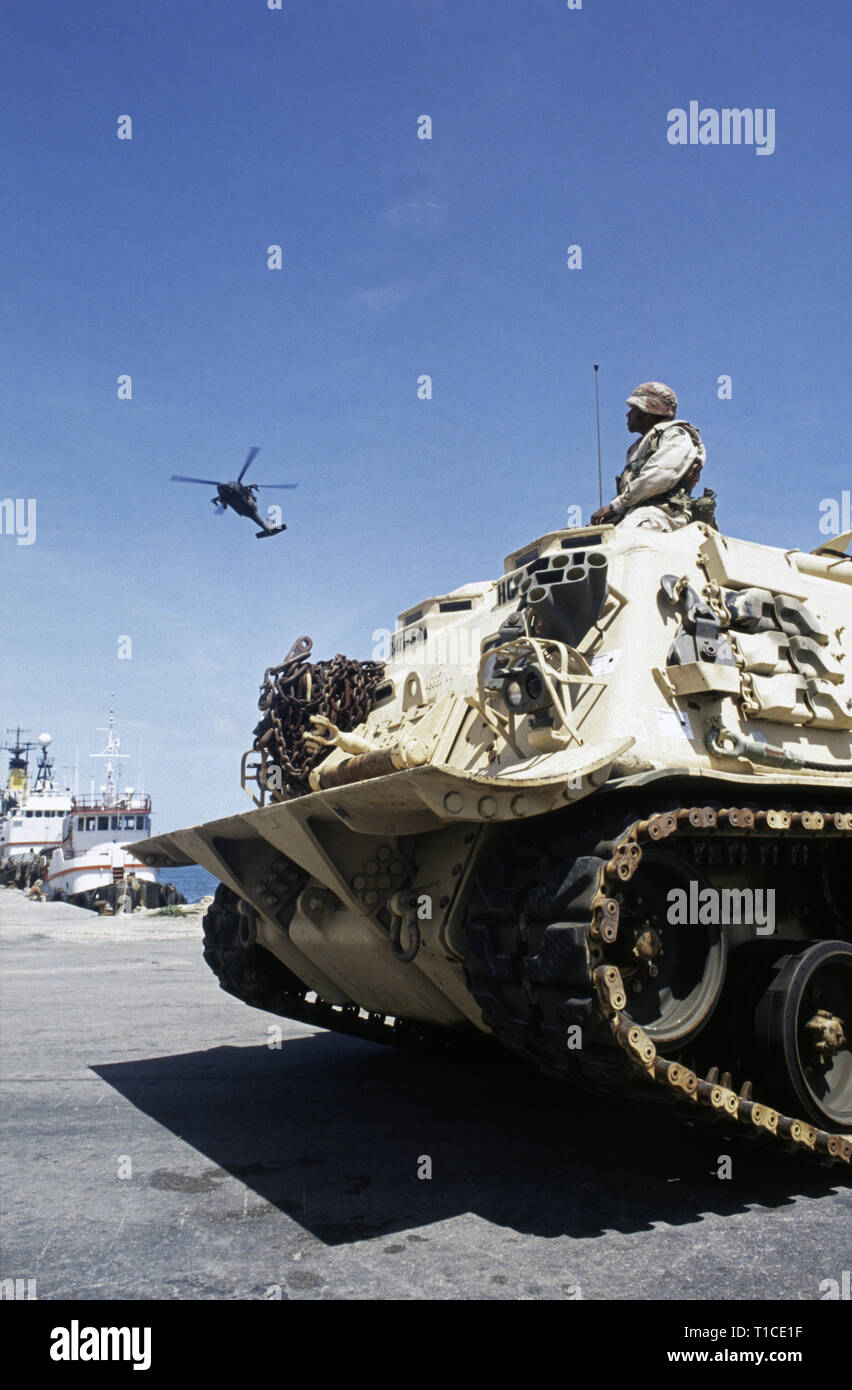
(657, 464)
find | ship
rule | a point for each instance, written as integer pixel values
(32, 810)
(86, 861)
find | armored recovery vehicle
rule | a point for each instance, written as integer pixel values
(598, 808)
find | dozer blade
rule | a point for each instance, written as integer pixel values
(403, 803)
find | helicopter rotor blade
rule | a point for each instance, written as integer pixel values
(275, 485)
(180, 478)
(252, 455)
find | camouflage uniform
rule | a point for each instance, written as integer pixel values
(651, 490)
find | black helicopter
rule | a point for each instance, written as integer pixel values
(240, 496)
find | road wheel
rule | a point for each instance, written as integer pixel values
(803, 1024)
(673, 972)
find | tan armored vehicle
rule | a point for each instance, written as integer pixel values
(599, 808)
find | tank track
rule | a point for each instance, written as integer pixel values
(256, 977)
(543, 941)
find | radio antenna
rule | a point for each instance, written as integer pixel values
(598, 419)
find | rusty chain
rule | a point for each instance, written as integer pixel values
(341, 690)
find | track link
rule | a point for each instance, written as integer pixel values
(537, 978)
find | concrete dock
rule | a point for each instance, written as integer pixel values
(155, 1145)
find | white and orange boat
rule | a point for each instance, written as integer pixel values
(92, 864)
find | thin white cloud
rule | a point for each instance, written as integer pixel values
(381, 297)
(415, 213)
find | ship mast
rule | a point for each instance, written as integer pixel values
(43, 780)
(17, 785)
(112, 750)
(19, 747)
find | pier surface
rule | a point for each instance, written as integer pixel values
(158, 1143)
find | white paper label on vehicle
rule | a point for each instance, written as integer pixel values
(674, 723)
(604, 662)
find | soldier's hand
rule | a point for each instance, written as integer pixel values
(602, 516)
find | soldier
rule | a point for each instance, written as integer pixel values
(662, 467)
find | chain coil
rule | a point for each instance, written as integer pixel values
(340, 690)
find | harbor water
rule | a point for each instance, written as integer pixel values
(193, 881)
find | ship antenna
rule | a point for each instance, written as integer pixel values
(112, 750)
(598, 418)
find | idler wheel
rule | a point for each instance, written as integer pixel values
(673, 973)
(803, 1024)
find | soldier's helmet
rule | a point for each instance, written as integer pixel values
(655, 398)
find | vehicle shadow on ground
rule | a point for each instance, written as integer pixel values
(332, 1131)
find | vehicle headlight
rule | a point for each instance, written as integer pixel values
(513, 693)
(524, 690)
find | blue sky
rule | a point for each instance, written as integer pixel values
(401, 257)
